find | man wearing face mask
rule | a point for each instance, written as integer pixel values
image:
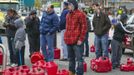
(32, 23)
(49, 26)
(76, 29)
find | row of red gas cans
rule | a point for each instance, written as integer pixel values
(47, 68)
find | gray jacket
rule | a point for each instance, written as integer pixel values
(20, 35)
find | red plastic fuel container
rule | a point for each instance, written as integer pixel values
(92, 48)
(36, 57)
(37, 71)
(85, 66)
(103, 64)
(57, 53)
(41, 64)
(51, 68)
(63, 72)
(1, 57)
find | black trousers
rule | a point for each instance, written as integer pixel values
(11, 49)
(34, 43)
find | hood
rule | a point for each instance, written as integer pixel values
(19, 23)
(75, 4)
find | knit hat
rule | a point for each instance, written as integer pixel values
(123, 17)
(66, 3)
(74, 2)
(33, 12)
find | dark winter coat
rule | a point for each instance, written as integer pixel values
(49, 23)
(32, 26)
(101, 24)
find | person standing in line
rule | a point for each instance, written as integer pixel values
(10, 32)
(76, 29)
(48, 27)
(19, 42)
(62, 28)
(32, 23)
(101, 24)
(116, 43)
(86, 43)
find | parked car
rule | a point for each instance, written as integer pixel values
(129, 38)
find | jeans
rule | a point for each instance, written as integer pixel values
(86, 45)
(20, 54)
(63, 45)
(75, 52)
(34, 43)
(11, 50)
(47, 40)
(116, 52)
(101, 45)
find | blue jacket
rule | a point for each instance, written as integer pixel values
(63, 19)
(49, 23)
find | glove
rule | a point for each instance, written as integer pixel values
(5, 24)
(19, 45)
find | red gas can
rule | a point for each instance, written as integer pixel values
(63, 72)
(36, 57)
(22, 72)
(92, 48)
(41, 64)
(103, 64)
(11, 71)
(1, 57)
(93, 63)
(124, 67)
(129, 66)
(85, 66)
(57, 53)
(51, 68)
(24, 68)
(129, 61)
(37, 71)
(127, 40)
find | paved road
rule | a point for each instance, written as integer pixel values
(64, 65)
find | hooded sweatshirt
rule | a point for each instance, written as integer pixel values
(20, 35)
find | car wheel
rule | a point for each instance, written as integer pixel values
(123, 50)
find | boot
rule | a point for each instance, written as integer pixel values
(71, 73)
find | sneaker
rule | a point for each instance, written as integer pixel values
(13, 65)
(8, 64)
(64, 59)
(86, 55)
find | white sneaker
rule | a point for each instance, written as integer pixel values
(13, 65)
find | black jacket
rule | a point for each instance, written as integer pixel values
(101, 24)
(32, 26)
(119, 32)
(10, 26)
(89, 24)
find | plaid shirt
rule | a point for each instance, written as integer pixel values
(76, 27)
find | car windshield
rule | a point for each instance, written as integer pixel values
(5, 7)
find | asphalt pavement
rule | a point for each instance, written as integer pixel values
(64, 64)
